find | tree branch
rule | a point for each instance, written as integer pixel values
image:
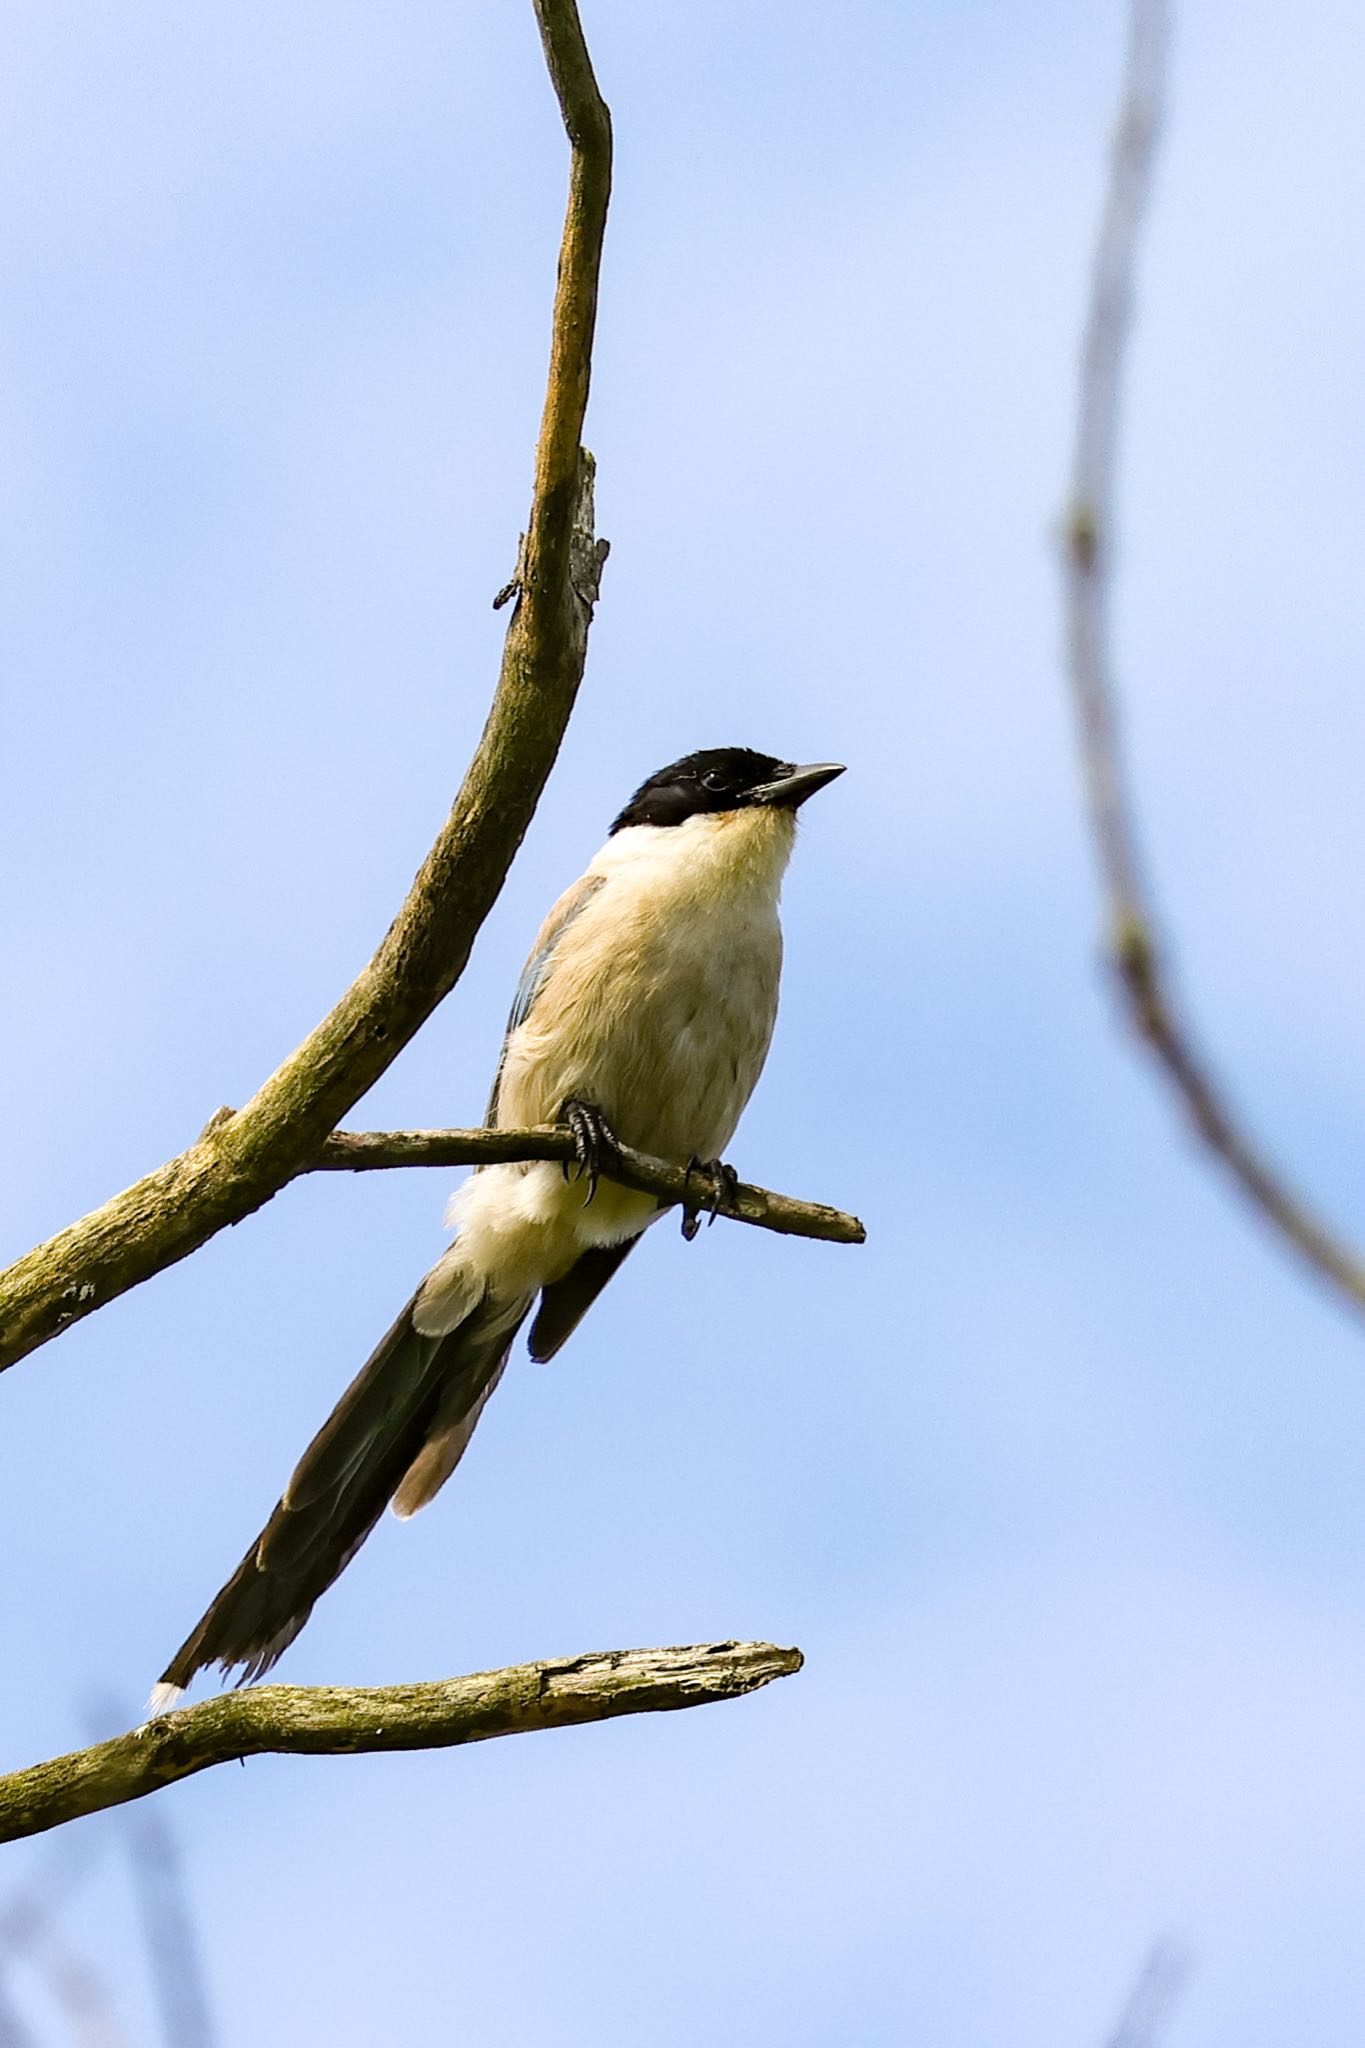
(367, 1151)
(242, 1162)
(1088, 566)
(343, 1721)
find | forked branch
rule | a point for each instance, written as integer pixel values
(241, 1162)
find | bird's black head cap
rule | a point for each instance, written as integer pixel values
(721, 779)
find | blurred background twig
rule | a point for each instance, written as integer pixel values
(1153, 1998)
(1089, 556)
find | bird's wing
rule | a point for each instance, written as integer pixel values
(570, 905)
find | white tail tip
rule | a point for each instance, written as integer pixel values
(164, 1700)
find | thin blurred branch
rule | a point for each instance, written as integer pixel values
(366, 1151)
(1132, 919)
(241, 1161)
(153, 1855)
(172, 1946)
(14, 2033)
(343, 1721)
(28, 1934)
(1153, 1998)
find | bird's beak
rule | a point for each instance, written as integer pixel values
(794, 785)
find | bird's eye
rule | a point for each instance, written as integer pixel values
(714, 781)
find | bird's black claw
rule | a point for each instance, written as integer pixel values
(724, 1180)
(592, 1142)
(727, 1180)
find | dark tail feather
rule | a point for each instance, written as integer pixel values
(409, 1388)
(565, 1302)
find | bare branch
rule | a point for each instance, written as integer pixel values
(1088, 568)
(342, 1721)
(367, 1151)
(249, 1157)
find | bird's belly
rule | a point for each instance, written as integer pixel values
(678, 1085)
(667, 1045)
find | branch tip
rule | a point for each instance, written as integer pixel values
(373, 1151)
(345, 1721)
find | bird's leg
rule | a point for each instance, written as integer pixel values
(593, 1141)
(724, 1180)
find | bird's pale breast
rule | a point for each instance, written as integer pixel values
(661, 999)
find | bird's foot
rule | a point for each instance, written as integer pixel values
(594, 1142)
(724, 1180)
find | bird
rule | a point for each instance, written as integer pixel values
(644, 1014)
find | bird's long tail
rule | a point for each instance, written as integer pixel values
(397, 1434)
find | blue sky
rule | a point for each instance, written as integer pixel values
(1058, 1481)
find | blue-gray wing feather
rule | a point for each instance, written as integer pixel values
(534, 974)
